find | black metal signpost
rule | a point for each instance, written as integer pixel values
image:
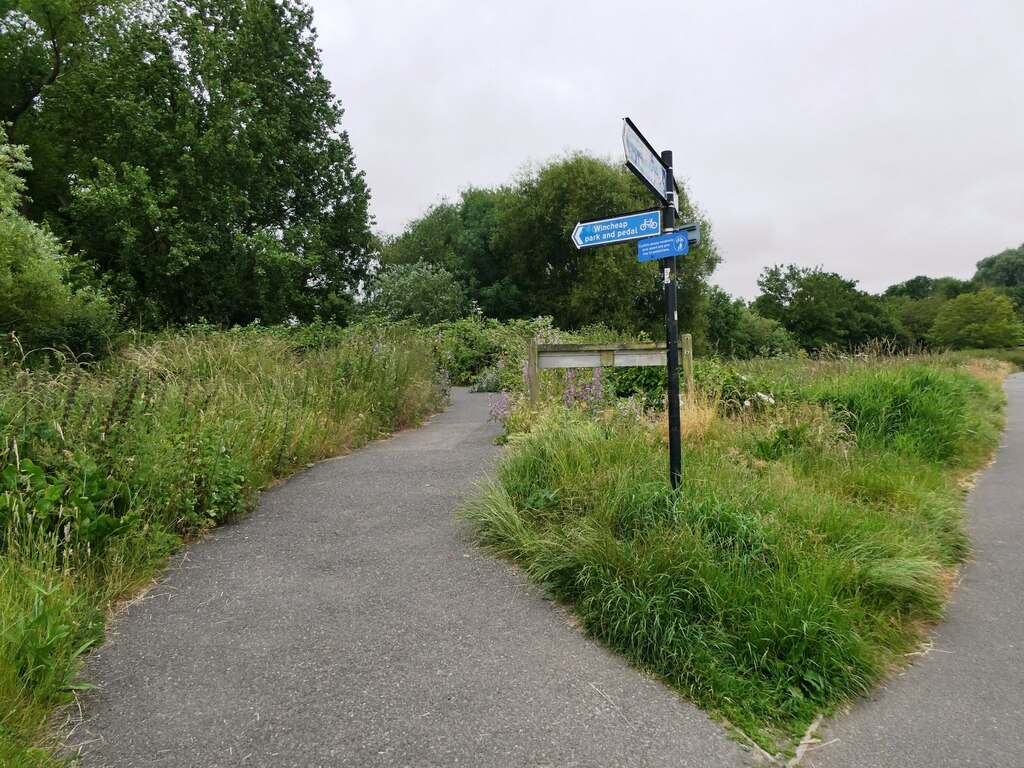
(655, 171)
(668, 265)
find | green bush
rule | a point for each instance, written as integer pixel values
(719, 381)
(466, 347)
(977, 320)
(648, 382)
(475, 346)
(38, 302)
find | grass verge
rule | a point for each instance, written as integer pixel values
(815, 536)
(104, 472)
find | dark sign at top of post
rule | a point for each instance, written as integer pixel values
(644, 161)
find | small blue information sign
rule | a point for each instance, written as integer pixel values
(672, 244)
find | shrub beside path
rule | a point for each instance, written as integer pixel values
(962, 703)
(349, 621)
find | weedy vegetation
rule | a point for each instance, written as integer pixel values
(815, 536)
(104, 471)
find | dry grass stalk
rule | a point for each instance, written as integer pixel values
(697, 417)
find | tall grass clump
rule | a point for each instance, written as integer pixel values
(811, 541)
(104, 471)
(913, 409)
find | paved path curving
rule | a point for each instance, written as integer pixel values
(962, 704)
(348, 622)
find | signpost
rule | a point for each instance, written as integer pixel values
(668, 265)
(660, 240)
(618, 229)
(655, 171)
(692, 232)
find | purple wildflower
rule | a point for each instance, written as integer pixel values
(500, 407)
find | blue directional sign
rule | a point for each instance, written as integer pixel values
(672, 244)
(618, 229)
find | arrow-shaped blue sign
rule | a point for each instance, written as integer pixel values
(672, 244)
(618, 229)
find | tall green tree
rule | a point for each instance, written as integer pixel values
(977, 320)
(512, 249)
(778, 284)
(1004, 271)
(916, 288)
(433, 239)
(915, 316)
(457, 237)
(736, 330)
(915, 303)
(418, 291)
(723, 321)
(39, 42)
(193, 150)
(921, 287)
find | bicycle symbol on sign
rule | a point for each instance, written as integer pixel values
(648, 224)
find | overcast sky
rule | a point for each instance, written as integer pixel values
(877, 139)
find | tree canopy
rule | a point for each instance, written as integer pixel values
(1004, 271)
(192, 150)
(512, 249)
(977, 320)
(822, 308)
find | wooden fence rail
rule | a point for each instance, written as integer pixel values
(548, 356)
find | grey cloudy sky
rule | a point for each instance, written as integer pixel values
(879, 140)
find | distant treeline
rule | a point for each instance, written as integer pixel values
(810, 309)
(506, 253)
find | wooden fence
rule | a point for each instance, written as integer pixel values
(547, 356)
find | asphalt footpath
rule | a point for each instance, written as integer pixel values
(348, 621)
(961, 704)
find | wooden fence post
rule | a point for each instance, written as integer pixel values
(688, 365)
(533, 373)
